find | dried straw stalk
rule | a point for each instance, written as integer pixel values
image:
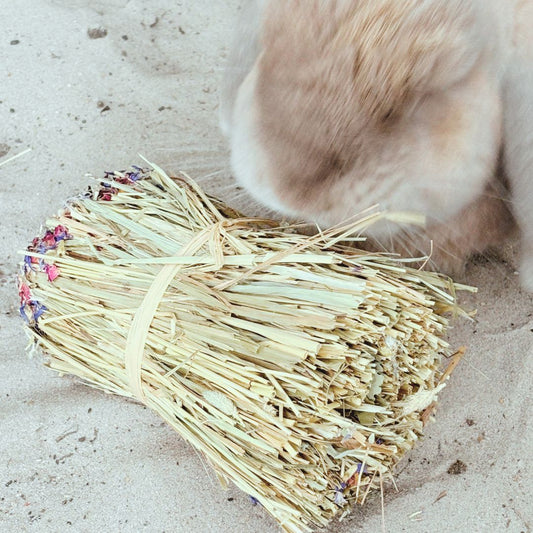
(302, 369)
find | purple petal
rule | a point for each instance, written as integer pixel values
(28, 264)
(38, 309)
(339, 498)
(22, 311)
(359, 467)
(61, 233)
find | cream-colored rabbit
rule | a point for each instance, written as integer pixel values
(333, 106)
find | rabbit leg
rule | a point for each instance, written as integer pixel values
(518, 135)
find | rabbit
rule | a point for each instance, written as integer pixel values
(425, 106)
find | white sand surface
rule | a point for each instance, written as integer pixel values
(75, 459)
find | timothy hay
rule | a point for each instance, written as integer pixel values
(301, 368)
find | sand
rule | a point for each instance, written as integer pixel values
(87, 85)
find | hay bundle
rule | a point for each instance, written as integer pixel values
(302, 369)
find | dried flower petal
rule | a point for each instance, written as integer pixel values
(49, 240)
(37, 309)
(22, 311)
(28, 261)
(339, 499)
(61, 233)
(24, 293)
(52, 271)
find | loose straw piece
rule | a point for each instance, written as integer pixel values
(16, 156)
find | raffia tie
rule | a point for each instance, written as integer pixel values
(142, 320)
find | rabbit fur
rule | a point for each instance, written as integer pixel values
(425, 106)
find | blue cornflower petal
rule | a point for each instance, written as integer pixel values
(27, 263)
(38, 309)
(22, 311)
(339, 498)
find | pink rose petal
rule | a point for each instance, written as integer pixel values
(52, 271)
(24, 293)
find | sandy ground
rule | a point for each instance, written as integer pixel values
(74, 459)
